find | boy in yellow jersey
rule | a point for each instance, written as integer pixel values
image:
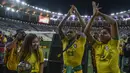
(106, 49)
(12, 50)
(73, 54)
(3, 41)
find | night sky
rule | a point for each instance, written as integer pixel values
(84, 6)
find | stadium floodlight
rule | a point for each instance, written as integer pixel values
(7, 8)
(85, 16)
(12, 10)
(36, 7)
(82, 16)
(48, 11)
(124, 11)
(44, 10)
(112, 14)
(60, 13)
(33, 7)
(121, 12)
(17, 11)
(65, 14)
(28, 4)
(40, 9)
(23, 3)
(18, 1)
(117, 13)
(53, 12)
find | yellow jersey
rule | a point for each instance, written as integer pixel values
(73, 56)
(107, 56)
(34, 62)
(11, 56)
(4, 40)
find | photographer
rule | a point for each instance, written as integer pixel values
(12, 49)
(127, 56)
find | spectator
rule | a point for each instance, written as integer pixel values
(12, 51)
(3, 40)
(126, 54)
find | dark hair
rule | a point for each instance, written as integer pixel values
(108, 29)
(20, 31)
(26, 48)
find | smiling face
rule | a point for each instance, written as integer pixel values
(35, 43)
(70, 34)
(104, 36)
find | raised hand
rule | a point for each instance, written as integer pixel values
(74, 9)
(70, 12)
(95, 8)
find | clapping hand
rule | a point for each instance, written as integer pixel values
(95, 8)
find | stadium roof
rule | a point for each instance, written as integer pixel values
(17, 5)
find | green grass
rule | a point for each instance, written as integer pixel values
(90, 67)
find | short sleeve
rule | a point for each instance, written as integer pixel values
(83, 38)
(114, 42)
(95, 43)
(41, 55)
(64, 40)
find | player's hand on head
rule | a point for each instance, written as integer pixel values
(19, 35)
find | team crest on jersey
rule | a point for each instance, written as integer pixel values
(107, 48)
(75, 45)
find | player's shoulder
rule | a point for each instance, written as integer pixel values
(81, 34)
(40, 49)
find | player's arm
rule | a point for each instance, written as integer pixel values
(41, 60)
(88, 29)
(61, 25)
(41, 67)
(11, 44)
(89, 25)
(114, 25)
(79, 17)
